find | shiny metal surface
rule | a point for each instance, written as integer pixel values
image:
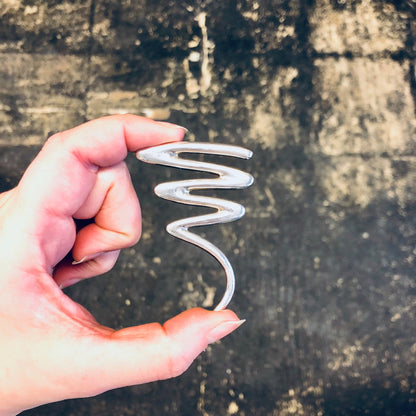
(180, 191)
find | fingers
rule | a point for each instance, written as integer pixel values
(79, 173)
(67, 273)
(151, 352)
(63, 174)
(115, 208)
(106, 141)
(81, 360)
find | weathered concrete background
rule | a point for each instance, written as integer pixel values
(324, 92)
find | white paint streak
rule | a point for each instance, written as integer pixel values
(207, 46)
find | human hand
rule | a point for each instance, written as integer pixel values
(51, 348)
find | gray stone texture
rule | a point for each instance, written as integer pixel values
(324, 93)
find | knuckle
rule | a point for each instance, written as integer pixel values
(177, 364)
(131, 234)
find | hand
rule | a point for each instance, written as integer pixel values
(51, 348)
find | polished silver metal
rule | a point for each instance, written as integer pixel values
(179, 191)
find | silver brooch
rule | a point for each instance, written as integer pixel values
(180, 191)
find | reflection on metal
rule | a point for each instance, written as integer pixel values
(179, 191)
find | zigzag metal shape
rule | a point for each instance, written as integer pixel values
(180, 191)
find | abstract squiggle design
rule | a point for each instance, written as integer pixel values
(180, 191)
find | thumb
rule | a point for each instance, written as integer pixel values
(153, 352)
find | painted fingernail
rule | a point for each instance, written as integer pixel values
(75, 262)
(173, 126)
(86, 258)
(222, 330)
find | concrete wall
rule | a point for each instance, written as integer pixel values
(324, 93)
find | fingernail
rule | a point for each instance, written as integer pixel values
(86, 258)
(173, 126)
(222, 330)
(75, 262)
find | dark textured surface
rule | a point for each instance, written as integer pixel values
(324, 94)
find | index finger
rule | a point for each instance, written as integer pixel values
(105, 142)
(63, 174)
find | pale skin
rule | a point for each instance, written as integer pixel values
(51, 348)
